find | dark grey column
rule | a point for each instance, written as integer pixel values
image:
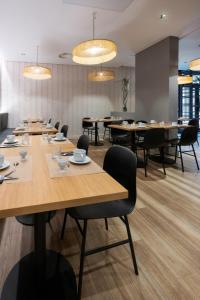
(156, 85)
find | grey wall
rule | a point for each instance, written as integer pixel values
(156, 89)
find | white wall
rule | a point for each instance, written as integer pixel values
(67, 97)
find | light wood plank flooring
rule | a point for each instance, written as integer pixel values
(166, 230)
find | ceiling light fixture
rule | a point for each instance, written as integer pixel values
(95, 51)
(184, 79)
(36, 71)
(195, 65)
(102, 75)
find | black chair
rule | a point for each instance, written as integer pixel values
(88, 127)
(195, 122)
(140, 134)
(83, 143)
(188, 138)
(154, 138)
(106, 128)
(120, 137)
(29, 220)
(64, 130)
(57, 125)
(121, 164)
(130, 121)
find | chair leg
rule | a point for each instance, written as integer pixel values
(82, 259)
(181, 158)
(163, 159)
(145, 161)
(63, 227)
(106, 223)
(131, 245)
(176, 152)
(195, 157)
(104, 134)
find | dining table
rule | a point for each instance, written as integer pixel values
(46, 274)
(134, 128)
(96, 121)
(34, 129)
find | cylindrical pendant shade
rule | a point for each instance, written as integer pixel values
(104, 75)
(195, 65)
(37, 72)
(94, 52)
(184, 79)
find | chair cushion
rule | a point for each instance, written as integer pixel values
(102, 210)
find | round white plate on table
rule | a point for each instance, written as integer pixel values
(11, 143)
(59, 140)
(5, 165)
(86, 161)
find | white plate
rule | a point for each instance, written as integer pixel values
(59, 140)
(141, 126)
(5, 165)
(86, 161)
(10, 143)
(49, 127)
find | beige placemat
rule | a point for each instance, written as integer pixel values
(73, 170)
(23, 170)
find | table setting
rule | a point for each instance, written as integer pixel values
(13, 141)
(71, 164)
(16, 168)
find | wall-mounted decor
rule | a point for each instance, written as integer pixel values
(125, 91)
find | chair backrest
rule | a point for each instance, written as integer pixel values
(64, 130)
(49, 121)
(130, 121)
(121, 164)
(83, 142)
(105, 124)
(154, 138)
(141, 121)
(189, 136)
(57, 125)
(194, 122)
(86, 124)
(115, 131)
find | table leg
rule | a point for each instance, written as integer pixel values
(41, 275)
(96, 142)
(140, 161)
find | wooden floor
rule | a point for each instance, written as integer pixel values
(166, 230)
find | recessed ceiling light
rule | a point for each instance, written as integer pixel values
(163, 16)
(64, 55)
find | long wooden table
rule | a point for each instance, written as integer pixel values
(35, 129)
(133, 128)
(39, 195)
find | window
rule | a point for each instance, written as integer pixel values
(189, 99)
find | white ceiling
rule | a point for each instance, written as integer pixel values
(57, 27)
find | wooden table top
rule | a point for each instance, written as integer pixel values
(147, 127)
(35, 128)
(43, 193)
(99, 120)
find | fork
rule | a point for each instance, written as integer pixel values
(15, 164)
(2, 178)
